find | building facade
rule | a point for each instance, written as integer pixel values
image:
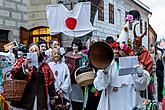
(26, 19)
(13, 14)
(110, 18)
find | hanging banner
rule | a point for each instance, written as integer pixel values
(74, 23)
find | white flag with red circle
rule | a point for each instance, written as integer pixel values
(72, 23)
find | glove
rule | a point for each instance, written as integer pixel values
(139, 70)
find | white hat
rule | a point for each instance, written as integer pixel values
(124, 35)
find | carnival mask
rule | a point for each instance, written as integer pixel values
(55, 44)
(75, 48)
(20, 54)
(56, 56)
(34, 48)
(43, 47)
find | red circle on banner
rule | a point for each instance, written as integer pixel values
(71, 23)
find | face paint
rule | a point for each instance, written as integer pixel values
(75, 48)
(34, 48)
(43, 47)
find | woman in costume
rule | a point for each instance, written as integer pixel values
(40, 81)
(76, 59)
(21, 51)
(61, 72)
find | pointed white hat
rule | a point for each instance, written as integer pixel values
(124, 35)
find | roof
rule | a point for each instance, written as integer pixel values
(142, 5)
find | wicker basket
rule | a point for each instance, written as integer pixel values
(85, 78)
(13, 89)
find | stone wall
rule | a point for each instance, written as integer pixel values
(13, 14)
(37, 12)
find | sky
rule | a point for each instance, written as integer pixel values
(157, 20)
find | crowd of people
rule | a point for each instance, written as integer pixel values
(50, 75)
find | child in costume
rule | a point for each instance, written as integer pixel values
(61, 72)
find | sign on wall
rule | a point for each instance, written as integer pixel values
(10, 45)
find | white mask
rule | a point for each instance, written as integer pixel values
(75, 48)
(43, 47)
(20, 53)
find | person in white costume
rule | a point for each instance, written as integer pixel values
(61, 72)
(120, 92)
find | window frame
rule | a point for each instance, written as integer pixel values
(101, 11)
(111, 13)
(141, 26)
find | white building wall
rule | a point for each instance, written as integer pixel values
(104, 28)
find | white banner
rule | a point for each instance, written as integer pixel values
(74, 23)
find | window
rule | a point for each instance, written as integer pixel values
(111, 13)
(101, 11)
(43, 33)
(141, 26)
(4, 35)
(119, 17)
(130, 24)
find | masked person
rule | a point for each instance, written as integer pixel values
(43, 46)
(76, 59)
(54, 44)
(21, 51)
(62, 74)
(40, 81)
(120, 92)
